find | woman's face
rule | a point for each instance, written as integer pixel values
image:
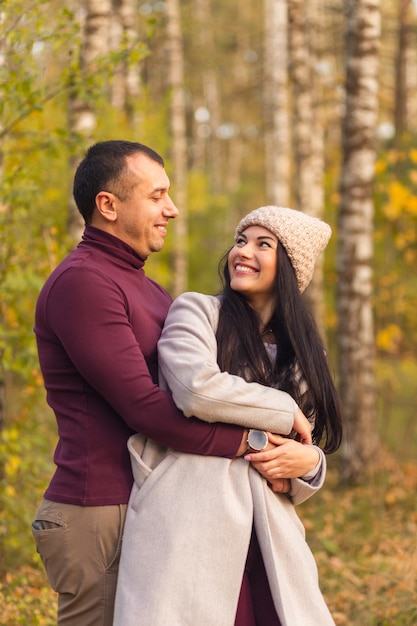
(252, 265)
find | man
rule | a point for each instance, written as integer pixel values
(97, 323)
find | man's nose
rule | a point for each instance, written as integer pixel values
(170, 209)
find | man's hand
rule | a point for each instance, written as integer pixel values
(280, 485)
(243, 444)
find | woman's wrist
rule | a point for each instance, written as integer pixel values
(312, 472)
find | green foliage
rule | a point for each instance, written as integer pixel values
(210, 234)
(396, 404)
(396, 249)
(30, 248)
(37, 74)
(26, 78)
(26, 445)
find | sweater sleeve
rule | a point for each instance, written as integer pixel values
(188, 362)
(107, 367)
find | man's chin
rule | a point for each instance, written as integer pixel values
(157, 246)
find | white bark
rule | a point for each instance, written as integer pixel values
(95, 33)
(277, 136)
(126, 79)
(355, 246)
(210, 144)
(307, 136)
(179, 144)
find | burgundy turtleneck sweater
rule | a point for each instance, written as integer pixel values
(97, 323)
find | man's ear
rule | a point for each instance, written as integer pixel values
(106, 205)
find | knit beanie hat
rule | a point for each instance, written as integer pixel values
(303, 237)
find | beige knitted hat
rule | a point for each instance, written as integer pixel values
(303, 237)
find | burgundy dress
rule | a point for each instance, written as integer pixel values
(255, 606)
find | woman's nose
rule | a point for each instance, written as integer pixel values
(246, 250)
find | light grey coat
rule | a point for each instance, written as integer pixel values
(190, 518)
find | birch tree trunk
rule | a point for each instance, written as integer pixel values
(179, 144)
(95, 35)
(277, 124)
(126, 79)
(210, 93)
(302, 106)
(411, 78)
(307, 140)
(401, 95)
(356, 341)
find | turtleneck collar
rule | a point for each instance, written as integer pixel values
(100, 239)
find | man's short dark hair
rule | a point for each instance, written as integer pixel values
(102, 169)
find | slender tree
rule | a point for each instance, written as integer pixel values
(301, 105)
(356, 342)
(95, 32)
(275, 85)
(126, 86)
(401, 95)
(210, 94)
(179, 143)
(307, 139)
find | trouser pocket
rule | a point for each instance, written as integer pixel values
(41, 524)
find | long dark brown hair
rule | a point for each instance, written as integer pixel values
(301, 367)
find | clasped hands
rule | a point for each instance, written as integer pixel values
(285, 458)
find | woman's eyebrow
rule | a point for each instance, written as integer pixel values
(266, 237)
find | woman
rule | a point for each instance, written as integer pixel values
(207, 541)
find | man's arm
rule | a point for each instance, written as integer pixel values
(88, 316)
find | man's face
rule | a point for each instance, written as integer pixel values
(142, 217)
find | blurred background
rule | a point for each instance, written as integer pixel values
(311, 105)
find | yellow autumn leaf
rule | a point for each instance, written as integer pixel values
(410, 257)
(389, 338)
(12, 464)
(413, 155)
(10, 491)
(398, 198)
(380, 167)
(412, 205)
(11, 434)
(405, 239)
(413, 176)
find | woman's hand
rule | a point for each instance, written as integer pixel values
(283, 458)
(303, 427)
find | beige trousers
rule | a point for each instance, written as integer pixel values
(80, 549)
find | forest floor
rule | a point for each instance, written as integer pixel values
(364, 540)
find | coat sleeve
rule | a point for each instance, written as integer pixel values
(303, 488)
(188, 363)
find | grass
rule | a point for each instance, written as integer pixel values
(364, 541)
(363, 538)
